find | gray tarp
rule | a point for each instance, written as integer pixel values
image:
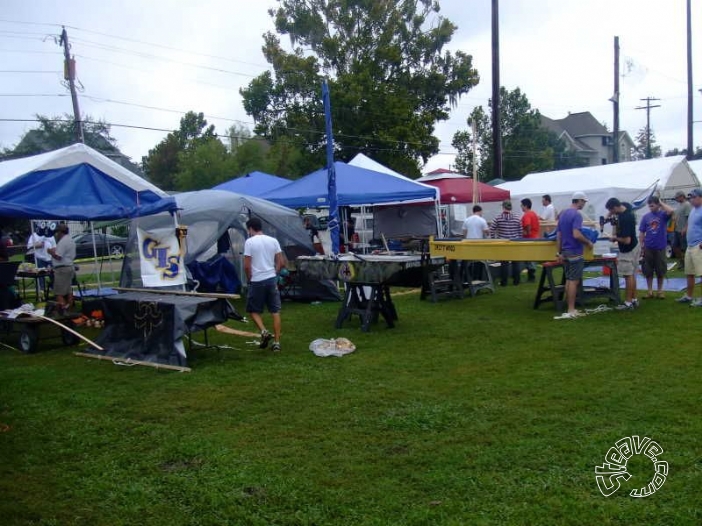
(209, 214)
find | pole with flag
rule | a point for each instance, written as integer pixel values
(331, 173)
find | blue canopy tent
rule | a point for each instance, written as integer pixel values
(253, 184)
(355, 186)
(76, 183)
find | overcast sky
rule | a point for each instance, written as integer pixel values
(146, 62)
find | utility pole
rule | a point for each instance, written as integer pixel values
(615, 103)
(690, 146)
(648, 121)
(69, 74)
(496, 125)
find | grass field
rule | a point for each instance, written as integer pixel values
(474, 411)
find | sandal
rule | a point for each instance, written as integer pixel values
(660, 295)
(649, 296)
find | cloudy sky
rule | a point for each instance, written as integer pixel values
(143, 63)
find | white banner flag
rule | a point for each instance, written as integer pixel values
(159, 254)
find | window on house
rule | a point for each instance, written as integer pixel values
(605, 141)
(604, 161)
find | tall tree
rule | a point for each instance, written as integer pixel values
(387, 70)
(641, 147)
(163, 161)
(53, 133)
(527, 146)
(204, 165)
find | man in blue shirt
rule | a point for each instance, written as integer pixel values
(693, 254)
(571, 244)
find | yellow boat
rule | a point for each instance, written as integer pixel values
(497, 250)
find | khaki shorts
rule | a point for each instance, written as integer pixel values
(628, 262)
(63, 279)
(693, 261)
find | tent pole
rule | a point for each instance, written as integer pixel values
(97, 270)
(183, 250)
(476, 197)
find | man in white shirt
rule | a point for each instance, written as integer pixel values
(39, 244)
(475, 226)
(548, 212)
(263, 260)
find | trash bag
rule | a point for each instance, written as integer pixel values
(334, 347)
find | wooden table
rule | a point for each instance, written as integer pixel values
(368, 280)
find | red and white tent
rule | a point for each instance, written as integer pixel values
(458, 189)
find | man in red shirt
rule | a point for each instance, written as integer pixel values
(530, 230)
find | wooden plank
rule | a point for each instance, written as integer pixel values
(236, 332)
(183, 293)
(129, 361)
(65, 328)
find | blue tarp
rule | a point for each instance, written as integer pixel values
(254, 183)
(76, 183)
(354, 187)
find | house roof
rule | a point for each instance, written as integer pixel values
(576, 124)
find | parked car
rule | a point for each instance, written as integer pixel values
(105, 245)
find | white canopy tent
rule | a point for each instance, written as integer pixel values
(626, 181)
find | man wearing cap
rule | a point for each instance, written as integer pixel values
(693, 254)
(624, 234)
(680, 233)
(507, 226)
(63, 255)
(571, 244)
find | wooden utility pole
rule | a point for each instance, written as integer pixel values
(615, 103)
(648, 121)
(690, 146)
(69, 74)
(496, 125)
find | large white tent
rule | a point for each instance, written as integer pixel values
(626, 181)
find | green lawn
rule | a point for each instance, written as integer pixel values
(474, 411)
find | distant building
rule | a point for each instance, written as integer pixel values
(589, 139)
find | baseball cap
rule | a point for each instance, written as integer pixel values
(507, 204)
(697, 192)
(679, 193)
(579, 196)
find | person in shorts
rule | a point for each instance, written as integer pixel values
(263, 260)
(63, 256)
(693, 254)
(653, 237)
(682, 212)
(624, 234)
(571, 245)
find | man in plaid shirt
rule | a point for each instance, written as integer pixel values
(507, 226)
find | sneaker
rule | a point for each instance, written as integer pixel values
(625, 306)
(265, 339)
(276, 347)
(567, 316)
(684, 299)
(696, 303)
(635, 303)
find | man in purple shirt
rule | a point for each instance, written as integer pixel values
(653, 238)
(571, 244)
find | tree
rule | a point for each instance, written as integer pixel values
(389, 78)
(641, 148)
(204, 165)
(53, 133)
(676, 151)
(163, 161)
(526, 145)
